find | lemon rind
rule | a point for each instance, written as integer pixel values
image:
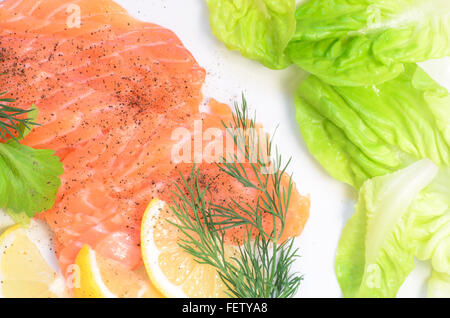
(148, 247)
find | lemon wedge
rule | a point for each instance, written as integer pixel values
(173, 271)
(28, 266)
(100, 277)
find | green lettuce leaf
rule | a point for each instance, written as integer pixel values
(374, 255)
(29, 179)
(430, 215)
(439, 285)
(365, 42)
(259, 29)
(357, 133)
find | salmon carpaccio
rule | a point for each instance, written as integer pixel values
(110, 92)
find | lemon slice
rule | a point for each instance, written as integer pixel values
(28, 266)
(172, 270)
(100, 277)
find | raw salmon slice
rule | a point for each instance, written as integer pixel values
(110, 93)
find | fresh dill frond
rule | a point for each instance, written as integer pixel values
(259, 266)
(14, 122)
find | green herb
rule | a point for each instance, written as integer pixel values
(260, 266)
(29, 178)
(12, 119)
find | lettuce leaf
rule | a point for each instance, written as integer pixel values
(357, 133)
(431, 231)
(29, 179)
(439, 285)
(374, 255)
(259, 29)
(365, 42)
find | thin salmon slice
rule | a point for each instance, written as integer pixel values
(110, 93)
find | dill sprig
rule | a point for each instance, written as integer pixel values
(13, 121)
(259, 266)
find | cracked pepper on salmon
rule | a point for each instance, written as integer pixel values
(110, 92)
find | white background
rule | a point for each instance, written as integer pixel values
(271, 93)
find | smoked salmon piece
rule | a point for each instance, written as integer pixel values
(110, 91)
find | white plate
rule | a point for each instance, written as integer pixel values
(270, 94)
